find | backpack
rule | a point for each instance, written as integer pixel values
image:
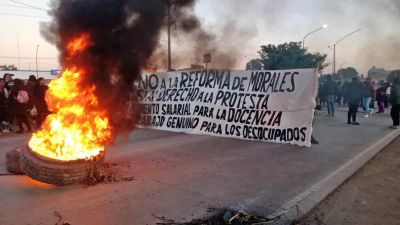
(22, 97)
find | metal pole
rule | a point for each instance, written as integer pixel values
(324, 26)
(19, 59)
(29, 66)
(37, 70)
(341, 78)
(334, 59)
(334, 47)
(169, 35)
(333, 70)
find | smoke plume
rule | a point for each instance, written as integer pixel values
(124, 35)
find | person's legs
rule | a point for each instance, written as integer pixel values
(26, 121)
(353, 109)
(19, 121)
(349, 113)
(367, 101)
(328, 103)
(332, 103)
(381, 106)
(394, 113)
(386, 101)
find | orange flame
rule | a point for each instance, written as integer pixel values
(76, 130)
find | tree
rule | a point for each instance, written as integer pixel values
(290, 56)
(348, 73)
(392, 75)
(254, 64)
(8, 67)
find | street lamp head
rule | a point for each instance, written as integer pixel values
(325, 26)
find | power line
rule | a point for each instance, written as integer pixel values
(17, 6)
(29, 5)
(12, 57)
(10, 14)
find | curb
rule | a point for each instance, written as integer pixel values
(311, 198)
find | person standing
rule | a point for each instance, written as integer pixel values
(41, 105)
(387, 99)
(17, 102)
(345, 86)
(368, 96)
(3, 104)
(330, 89)
(339, 93)
(395, 101)
(381, 98)
(9, 82)
(372, 103)
(321, 96)
(353, 96)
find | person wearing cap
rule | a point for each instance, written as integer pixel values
(368, 96)
(395, 102)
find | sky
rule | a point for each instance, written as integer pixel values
(239, 27)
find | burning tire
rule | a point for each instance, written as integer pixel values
(57, 172)
(13, 161)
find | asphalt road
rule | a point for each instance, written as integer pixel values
(179, 176)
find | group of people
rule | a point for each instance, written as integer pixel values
(356, 95)
(19, 100)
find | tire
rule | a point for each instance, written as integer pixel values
(56, 172)
(13, 161)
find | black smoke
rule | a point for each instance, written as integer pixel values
(125, 34)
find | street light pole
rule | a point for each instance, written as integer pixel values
(333, 70)
(169, 34)
(341, 78)
(324, 26)
(37, 70)
(334, 48)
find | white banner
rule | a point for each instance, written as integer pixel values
(272, 106)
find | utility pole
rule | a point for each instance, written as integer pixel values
(19, 60)
(169, 33)
(170, 22)
(37, 70)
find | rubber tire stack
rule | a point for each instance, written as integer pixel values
(13, 161)
(56, 172)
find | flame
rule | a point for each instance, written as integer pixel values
(77, 129)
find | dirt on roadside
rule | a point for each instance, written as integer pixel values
(370, 197)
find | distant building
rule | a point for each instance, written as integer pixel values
(378, 73)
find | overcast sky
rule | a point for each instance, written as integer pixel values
(240, 26)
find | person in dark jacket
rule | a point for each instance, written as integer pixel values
(388, 91)
(368, 96)
(339, 93)
(19, 109)
(330, 89)
(395, 102)
(30, 88)
(321, 96)
(353, 96)
(41, 105)
(9, 81)
(345, 86)
(381, 98)
(3, 102)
